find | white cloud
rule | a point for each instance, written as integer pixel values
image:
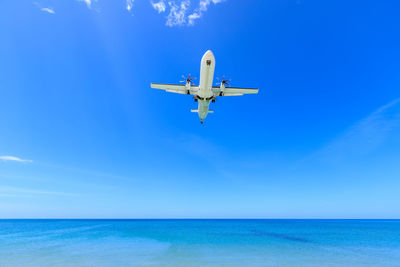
(193, 17)
(12, 158)
(48, 10)
(177, 13)
(198, 12)
(88, 2)
(129, 4)
(178, 10)
(159, 6)
(44, 9)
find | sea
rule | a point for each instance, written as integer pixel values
(200, 243)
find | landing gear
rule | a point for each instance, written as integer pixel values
(195, 100)
(213, 101)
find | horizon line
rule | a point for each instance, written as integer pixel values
(4, 219)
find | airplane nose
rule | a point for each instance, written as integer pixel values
(209, 54)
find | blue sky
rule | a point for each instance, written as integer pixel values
(82, 135)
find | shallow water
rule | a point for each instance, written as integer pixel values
(199, 242)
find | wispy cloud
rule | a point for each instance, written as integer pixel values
(88, 2)
(178, 11)
(129, 4)
(15, 191)
(364, 136)
(48, 10)
(159, 6)
(44, 9)
(198, 12)
(12, 158)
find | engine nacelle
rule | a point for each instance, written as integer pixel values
(188, 88)
(222, 89)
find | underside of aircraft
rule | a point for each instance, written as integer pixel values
(205, 92)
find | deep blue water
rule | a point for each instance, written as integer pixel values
(199, 242)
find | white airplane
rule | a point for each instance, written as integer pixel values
(205, 91)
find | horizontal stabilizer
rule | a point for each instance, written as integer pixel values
(196, 110)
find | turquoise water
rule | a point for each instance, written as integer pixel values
(199, 242)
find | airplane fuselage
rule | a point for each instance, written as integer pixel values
(204, 93)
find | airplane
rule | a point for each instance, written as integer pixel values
(205, 92)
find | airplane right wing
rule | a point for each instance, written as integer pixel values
(233, 91)
(175, 88)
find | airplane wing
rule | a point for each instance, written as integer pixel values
(175, 88)
(233, 91)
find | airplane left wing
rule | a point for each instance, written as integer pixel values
(176, 88)
(233, 91)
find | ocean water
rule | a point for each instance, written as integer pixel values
(199, 242)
